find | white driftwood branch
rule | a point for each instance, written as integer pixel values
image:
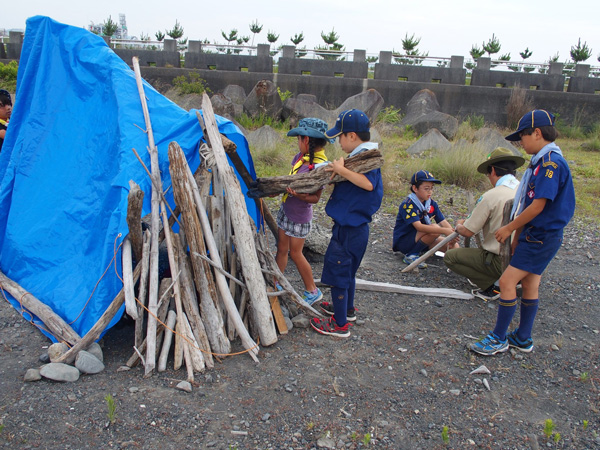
(430, 252)
(398, 289)
(127, 264)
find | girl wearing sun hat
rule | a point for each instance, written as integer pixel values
(295, 214)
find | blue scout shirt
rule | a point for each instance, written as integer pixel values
(551, 179)
(350, 205)
(408, 213)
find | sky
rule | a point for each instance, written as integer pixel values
(445, 28)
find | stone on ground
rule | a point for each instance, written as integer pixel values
(59, 372)
(432, 140)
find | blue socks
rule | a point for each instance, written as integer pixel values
(506, 311)
(529, 308)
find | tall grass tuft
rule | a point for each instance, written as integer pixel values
(518, 104)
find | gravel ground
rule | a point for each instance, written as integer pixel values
(401, 381)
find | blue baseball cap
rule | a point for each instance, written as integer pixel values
(352, 120)
(533, 119)
(423, 175)
(311, 127)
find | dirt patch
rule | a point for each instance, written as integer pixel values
(402, 376)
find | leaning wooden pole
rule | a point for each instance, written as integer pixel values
(261, 307)
(60, 329)
(155, 215)
(430, 252)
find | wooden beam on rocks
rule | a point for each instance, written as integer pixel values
(261, 307)
(60, 329)
(313, 181)
(430, 252)
(366, 285)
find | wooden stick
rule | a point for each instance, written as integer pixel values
(234, 157)
(506, 247)
(261, 307)
(100, 325)
(135, 201)
(430, 252)
(167, 340)
(155, 214)
(130, 305)
(142, 293)
(366, 285)
(60, 329)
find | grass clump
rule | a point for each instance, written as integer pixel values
(192, 84)
(389, 114)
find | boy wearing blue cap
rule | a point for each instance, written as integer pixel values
(544, 205)
(351, 206)
(414, 231)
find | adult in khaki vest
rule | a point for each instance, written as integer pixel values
(483, 266)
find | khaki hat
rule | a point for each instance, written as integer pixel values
(500, 154)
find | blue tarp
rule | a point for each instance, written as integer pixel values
(66, 164)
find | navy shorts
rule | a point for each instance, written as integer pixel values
(535, 250)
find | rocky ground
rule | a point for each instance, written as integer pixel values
(401, 381)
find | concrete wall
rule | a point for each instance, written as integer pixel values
(457, 100)
(288, 64)
(262, 62)
(554, 80)
(385, 70)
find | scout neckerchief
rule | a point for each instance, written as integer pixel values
(509, 181)
(318, 157)
(3, 122)
(420, 207)
(519, 203)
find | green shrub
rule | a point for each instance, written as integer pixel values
(475, 121)
(284, 95)
(193, 84)
(389, 115)
(8, 76)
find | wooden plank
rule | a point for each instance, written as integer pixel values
(398, 289)
(278, 314)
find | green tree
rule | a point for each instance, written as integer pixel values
(272, 37)
(297, 38)
(109, 27)
(581, 52)
(492, 46)
(409, 45)
(232, 36)
(525, 54)
(255, 28)
(159, 36)
(331, 45)
(176, 32)
(476, 52)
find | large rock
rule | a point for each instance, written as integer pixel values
(60, 372)
(187, 101)
(222, 105)
(96, 350)
(237, 95)
(301, 107)
(264, 99)
(422, 103)
(88, 363)
(318, 239)
(489, 139)
(264, 137)
(370, 102)
(56, 350)
(432, 140)
(444, 123)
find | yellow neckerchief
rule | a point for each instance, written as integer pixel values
(318, 157)
(4, 122)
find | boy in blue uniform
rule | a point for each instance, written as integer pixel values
(351, 206)
(414, 231)
(543, 206)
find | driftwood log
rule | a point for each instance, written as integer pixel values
(505, 248)
(55, 324)
(135, 201)
(313, 181)
(236, 204)
(399, 289)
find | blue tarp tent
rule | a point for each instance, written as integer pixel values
(66, 164)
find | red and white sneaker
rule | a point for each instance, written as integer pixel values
(327, 308)
(330, 327)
